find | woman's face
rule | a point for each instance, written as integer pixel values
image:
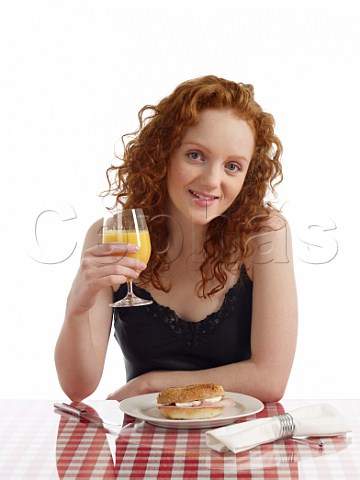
(206, 173)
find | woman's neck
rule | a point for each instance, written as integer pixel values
(186, 242)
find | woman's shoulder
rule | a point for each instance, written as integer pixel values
(96, 227)
(273, 224)
(93, 235)
(272, 244)
(275, 221)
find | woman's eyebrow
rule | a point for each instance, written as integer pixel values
(189, 142)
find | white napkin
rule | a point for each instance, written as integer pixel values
(313, 420)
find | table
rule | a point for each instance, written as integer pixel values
(38, 443)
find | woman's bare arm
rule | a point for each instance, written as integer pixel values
(82, 344)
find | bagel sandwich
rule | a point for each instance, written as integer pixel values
(191, 402)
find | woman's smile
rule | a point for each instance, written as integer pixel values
(203, 199)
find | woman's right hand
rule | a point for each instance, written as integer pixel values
(102, 266)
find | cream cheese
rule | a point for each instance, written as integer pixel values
(195, 403)
(213, 400)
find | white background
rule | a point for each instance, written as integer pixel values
(74, 75)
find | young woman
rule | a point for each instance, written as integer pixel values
(220, 273)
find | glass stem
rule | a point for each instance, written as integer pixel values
(130, 288)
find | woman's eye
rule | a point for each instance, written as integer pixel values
(234, 167)
(195, 155)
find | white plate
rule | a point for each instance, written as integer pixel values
(144, 407)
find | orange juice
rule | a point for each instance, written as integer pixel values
(140, 238)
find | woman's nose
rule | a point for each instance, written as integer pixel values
(210, 177)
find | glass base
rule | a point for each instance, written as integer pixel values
(131, 301)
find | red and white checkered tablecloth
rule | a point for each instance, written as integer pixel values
(36, 443)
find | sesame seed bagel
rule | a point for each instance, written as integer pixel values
(189, 393)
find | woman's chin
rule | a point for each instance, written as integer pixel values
(203, 220)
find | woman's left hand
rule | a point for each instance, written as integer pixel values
(137, 386)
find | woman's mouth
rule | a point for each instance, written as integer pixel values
(203, 199)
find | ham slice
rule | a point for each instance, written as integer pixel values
(224, 402)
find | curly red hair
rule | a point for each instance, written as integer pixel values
(141, 176)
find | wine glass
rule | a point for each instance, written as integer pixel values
(125, 226)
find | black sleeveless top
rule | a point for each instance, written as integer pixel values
(153, 337)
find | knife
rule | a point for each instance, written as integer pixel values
(82, 413)
(94, 419)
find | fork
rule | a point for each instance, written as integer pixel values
(312, 443)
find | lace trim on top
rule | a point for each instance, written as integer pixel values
(194, 330)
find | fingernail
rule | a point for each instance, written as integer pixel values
(143, 266)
